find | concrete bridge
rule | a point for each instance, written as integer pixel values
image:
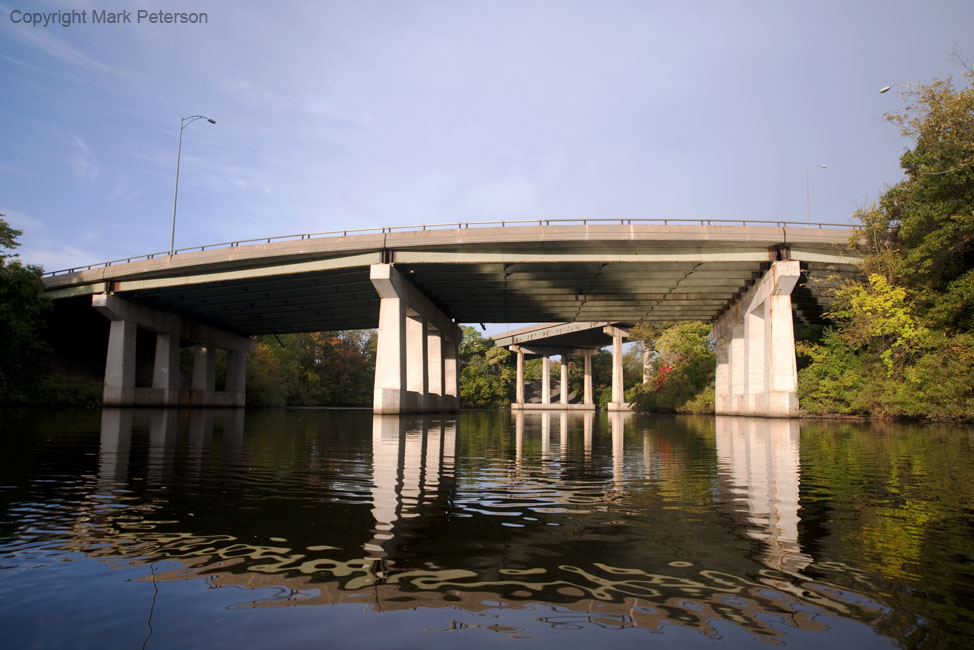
(416, 283)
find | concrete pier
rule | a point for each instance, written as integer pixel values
(618, 402)
(756, 368)
(120, 387)
(416, 357)
(587, 404)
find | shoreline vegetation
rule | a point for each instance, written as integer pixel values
(897, 344)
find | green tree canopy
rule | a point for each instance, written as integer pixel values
(921, 232)
(683, 367)
(486, 374)
(902, 342)
(8, 240)
(22, 320)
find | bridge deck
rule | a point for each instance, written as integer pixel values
(621, 272)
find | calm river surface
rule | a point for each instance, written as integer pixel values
(340, 529)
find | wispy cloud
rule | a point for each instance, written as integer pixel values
(123, 190)
(33, 251)
(252, 94)
(82, 161)
(21, 220)
(57, 259)
(43, 41)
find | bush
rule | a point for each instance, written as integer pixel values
(684, 372)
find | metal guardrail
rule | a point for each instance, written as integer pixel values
(452, 225)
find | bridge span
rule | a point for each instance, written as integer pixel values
(416, 284)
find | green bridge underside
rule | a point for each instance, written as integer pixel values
(479, 275)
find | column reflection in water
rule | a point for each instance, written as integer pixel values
(518, 439)
(563, 433)
(617, 423)
(649, 456)
(545, 435)
(233, 434)
(588, 424)
(200, 439)
(387, 439)
(413, 460)
(760, 459)
(434, 455)
(115, 445)
(163, 430)
(412, 465)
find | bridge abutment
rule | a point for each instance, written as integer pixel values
(756, 369)
(418, 346)
(121, 388)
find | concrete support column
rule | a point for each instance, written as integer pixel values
(545, 380)
(587, 392)
(519, 386)
(390, 358)
(738, 367)
(165, 369)
(417, 360)
(204, 368)
(648, 363)
(119, 389)
(618, 390)
(755, 352)
(722, 389)
(434, 363)
(618, 402)
(563, 385)
(403, 363)
(782, 381)
(451, 374)
(756, 369)
(236, 383)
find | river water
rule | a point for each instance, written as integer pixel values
(340, 529)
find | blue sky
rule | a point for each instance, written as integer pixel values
(336, 115)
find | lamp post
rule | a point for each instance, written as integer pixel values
(808, 200)
(183, 123)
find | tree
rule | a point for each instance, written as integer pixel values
(683, 367)
(921, 233)
(486, 375)
(902, 341)
(312, 369)
(22, 312)
(8, 240)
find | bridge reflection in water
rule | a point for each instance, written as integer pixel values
(574, 518)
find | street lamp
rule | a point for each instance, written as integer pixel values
(183, 123)
(886, 89)
(808, 200)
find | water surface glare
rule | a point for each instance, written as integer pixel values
(340, 529)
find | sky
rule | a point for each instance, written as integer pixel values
(366, 113)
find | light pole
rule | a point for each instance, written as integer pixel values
(183, 123)
(808, 200)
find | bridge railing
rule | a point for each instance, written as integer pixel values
(451, 225)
